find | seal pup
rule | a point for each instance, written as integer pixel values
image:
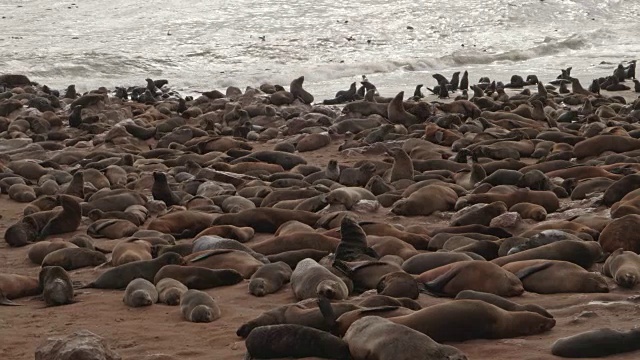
(269, 278)
(199, 307)
(376, 338)
(623, 267)
(170, 291)
(597, 343)
(294, 341)
(56, 286)
(310, 280)
(140, 292)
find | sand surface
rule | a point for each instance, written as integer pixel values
(159, 332)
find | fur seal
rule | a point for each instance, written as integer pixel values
(65, 221)
(13, 286)
(296, 241)
(583, 253)
(218, 243)
(266, 219)
(74, 258)
(623, 267)
(597, 343)
(501, 302)
(449, 280)
(120, 276)
(310, 280)
(170, 291)
(293, 257)
(397, 114)
(398, 284)
(376, 338)
(140, 292)
(298, 92)
(553, 276)
(482, 215)
(269, 278)
(620, 233)
(129, 251)
(182, 224)
(349, 196)
(199, 307)
(424, 262)
(161, 191)
(242, 234)
(199, 278)
(56, 286)
(402, 166)
(294, 341)
(530, 211)
(426, 201)
(38, 251)
(237, 260)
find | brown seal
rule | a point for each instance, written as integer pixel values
(293, 257)
(623, 267)
(501, 302)
(597, 343)
(373, 337)
(349, 196)
(311, 142)
(38, 251)
(128, 251)
(426, 201)
(198, 278)
(65, 221)
(298, 92)
(530, 211)
(419, 242)
(365, 275)
(56, 286)
(237, 260)
(120, 276)
(182, 224)
(111, 229)
(620, 234)
(398, 284)
(294, 341)
(402, 166)
(22, 193)
(296, 241)
(266, 219)
(170, 291)
(242, 234)
(161, 190)
(449, 280)
(482, 215)
(74, 258)
(553, 276)
(546, 199)
(13, 286)
(397, 113)
(304, 313)
(310, 280)
(269, 278)
(424, 262)
(140, 292)
(198, 306)
(583, 253)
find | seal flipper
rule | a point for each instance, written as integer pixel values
(436, 286)
(524, 273)
(327, 312)
(5, 301)
(343, 268)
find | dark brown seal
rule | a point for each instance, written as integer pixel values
(197, 277)
(597, 343)
(119, 277)
(56, 286)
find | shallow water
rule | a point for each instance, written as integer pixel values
(214, 44)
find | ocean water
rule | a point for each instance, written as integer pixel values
(205, 45)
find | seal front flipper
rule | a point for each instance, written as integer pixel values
(524, 273)
(327, 312)
(436, 286)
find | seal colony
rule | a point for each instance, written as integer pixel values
(355, 218)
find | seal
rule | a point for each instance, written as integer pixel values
(353, 243)
(235, 204)
(65, 221)
(546, 199)
(140, 292)
(198, 278)
(120, 276)
(41, 249)
(402, 166)
(619, 233)
(623, 267)
(294, 341)
(74, 258)
(170, 291)
(419, 242)
(269, 278)
(296, 241)
(482, 215)
(218, 243)
(266, 219)
(111, 228)
(397, 113)
(56, 286)
(237, 260)
(76, 186)
(242, 234)
(553, 276)
(129, 251)
(13, 286)
(424, 262)
(295, 88)
(293, 257)
(349, 196)
(310, 280)
(530, 211)
(398, 284)
(449, 280)
(597, 343)
(182, 224)
(501, 302)
(426, 201)
(161, 190)
(199, 307)
(582, 253)
(373, 337)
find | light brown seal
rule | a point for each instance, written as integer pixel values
(426, 201)
(170, 291)
(128, 251)
(56, 286)
(38, 251)
(182, 224)
(74, 258)
(449, 280)
(140, 292)
(237, 260)
(199, 307)
(310, 280)
(583, 253)
(242, 234)
(553, 276)
(623, 267)
(530, 211)
(296, 241)
(13, 286)
(402, 166)
(269, 278)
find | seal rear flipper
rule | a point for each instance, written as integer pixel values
(436, 286)
(79, 285)
(524, 273)
(5, 301)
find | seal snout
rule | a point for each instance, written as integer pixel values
(202, 313)
(627, 280)
(141, 298)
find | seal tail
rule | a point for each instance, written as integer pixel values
(436, 286)
(530, 270)
(327, 312)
